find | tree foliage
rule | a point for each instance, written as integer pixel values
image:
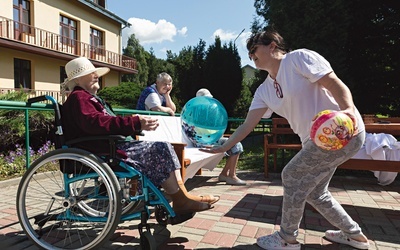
(125, 95)
(12, 124)
(217, 68)
(360, 39)
(135, 50)
(223, 73)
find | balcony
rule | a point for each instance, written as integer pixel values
(27, 38)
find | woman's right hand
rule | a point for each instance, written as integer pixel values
(148, 123)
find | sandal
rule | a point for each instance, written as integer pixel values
(192, 207)
(339, 237)
(275, 242)
(209, 198)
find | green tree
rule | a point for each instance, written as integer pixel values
(189, 70)
(359, 38)
(125, 95)
(135, 50)
(223, 74)
(242, 104)
(156, 66)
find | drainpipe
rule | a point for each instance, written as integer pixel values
(127, 25)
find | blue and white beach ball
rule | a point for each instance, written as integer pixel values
(204, 120)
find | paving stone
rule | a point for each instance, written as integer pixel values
(243, 214)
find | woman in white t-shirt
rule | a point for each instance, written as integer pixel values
(300, 84)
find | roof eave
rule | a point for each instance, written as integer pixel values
(105, 12)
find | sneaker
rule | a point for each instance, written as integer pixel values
(339, 237)
(275, 242)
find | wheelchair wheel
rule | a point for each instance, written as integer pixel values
(76, 208)
(161, 215)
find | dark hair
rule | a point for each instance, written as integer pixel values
(265, 38)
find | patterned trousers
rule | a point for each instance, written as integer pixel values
(306, 179)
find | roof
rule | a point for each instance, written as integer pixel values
(104, 11)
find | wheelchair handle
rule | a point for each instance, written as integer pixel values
(37, 99)
(56, 108)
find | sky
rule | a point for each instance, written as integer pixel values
(175, 24)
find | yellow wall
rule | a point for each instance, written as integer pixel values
(47, 14)
(111, 79)
(7, 69)
(6, 8)
(45, 71)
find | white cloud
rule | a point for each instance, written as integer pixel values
(163, 50)
(183, 31)
(241, 42)
(224, 35)
(149, 32)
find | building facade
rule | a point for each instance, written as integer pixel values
(38, 37)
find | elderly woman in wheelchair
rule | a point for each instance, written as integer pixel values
(80, 206)
(84, 114)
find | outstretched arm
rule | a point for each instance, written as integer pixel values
(252, 119)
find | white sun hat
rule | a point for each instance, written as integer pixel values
(81, 66)
(203, 92)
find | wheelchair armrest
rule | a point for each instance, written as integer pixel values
(111, 138)
(112, 141)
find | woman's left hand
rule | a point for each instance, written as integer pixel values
(353, 117)
(148, 123)
(213, 150)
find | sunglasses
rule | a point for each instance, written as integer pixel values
(252, 50)
(278, 89)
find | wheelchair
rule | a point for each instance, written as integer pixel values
(71, 198)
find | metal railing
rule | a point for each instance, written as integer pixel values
(21, 32)
(25, 107)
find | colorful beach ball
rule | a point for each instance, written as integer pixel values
(204, 120)
(331, 130)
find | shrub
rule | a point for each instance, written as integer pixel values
(13, 163)
(124, 95)
(12, 124)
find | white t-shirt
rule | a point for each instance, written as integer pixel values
(302, 98)
(153, 99)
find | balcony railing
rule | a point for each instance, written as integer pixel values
(16, 31)
(34, 93)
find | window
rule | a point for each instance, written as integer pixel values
(96, 41)
(100, 82)
(68, 31)
(22, 74)
(63, 74)
(102, 3)
(21, 15)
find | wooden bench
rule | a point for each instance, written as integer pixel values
(281, 127)
(192, 160)
(277, 139)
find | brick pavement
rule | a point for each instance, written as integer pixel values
(243, 214)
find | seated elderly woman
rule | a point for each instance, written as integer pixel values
(86, 114)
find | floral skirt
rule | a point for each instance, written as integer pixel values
(155, 160)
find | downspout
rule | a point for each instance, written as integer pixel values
(120, 44)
